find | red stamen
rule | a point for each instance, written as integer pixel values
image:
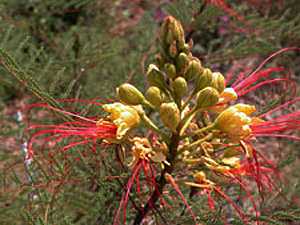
(170, 179)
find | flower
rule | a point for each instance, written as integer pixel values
(235, 122)
(124, 117)
(141, 152)
(82, 131)
(226, 96)
(141, 149)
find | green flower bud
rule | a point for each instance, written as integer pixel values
(164, 56)
(159, 60)
(130, 95)
(176, 26)
(186, 49)
(171, 29)
(179, 86)
(207, 97)
(181, 41)
(173, 50)
(203, 80)
(155, 96)
(169, 37)
(170, 70)
(170, 115)
(182, 63)
(155, 77)
(194, 69)
(218, 82)
(179, 35)
(172, 34)
(165, 27)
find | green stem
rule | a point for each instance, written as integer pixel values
(190, 146)
(192, 161)
(167, 92)
(188, 100)
(203, 186)
(202, 130)
(187, 117)
(146, 103)
(149, 124)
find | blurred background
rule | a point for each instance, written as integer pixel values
(85, 49)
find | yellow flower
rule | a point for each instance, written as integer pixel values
(235, 122)
(141, 149)
(125, 117)
(226, 96)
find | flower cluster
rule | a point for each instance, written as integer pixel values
(204, 130)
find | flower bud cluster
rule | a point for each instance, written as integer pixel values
(177, 75)
(176, 69)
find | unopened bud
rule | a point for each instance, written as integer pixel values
(130, 95)
(159, 61)
(179, 86)
(207, 97)
(155, 77)
(181, 43)
(165, 58)
(170, 70)
(193, 70)
(172, 30)
(173, 50)
(218, 82)
(155, 96)
(186, 49)
(176, 26)
(169, 37)
(165, 27)
(170, 115)
(203, 80)
(182, 63)
(181, 38)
